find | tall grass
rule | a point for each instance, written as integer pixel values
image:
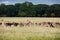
(29, 33)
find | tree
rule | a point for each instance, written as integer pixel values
(28, 9)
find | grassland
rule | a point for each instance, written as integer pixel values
(24, 19)
(29, 33)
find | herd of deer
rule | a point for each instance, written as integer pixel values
(29, 23)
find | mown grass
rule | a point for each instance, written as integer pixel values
(29, 33)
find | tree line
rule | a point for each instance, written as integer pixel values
(28, 9)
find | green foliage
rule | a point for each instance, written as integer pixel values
(28, 9)
(22, 14)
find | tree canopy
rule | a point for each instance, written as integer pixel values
(28, 9)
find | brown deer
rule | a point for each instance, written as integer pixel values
(50, 24)
(8, 24)
(21, 24)
(15, 24)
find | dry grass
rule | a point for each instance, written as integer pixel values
(29, 33)
(33, 19)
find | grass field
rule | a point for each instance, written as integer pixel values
(33, 19)
(30, 33)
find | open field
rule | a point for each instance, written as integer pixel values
(32, 19)
(29, 33)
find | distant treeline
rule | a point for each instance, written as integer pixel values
(28, 9)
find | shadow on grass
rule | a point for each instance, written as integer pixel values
(39, 38)
(26, 38)
(57, 36)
